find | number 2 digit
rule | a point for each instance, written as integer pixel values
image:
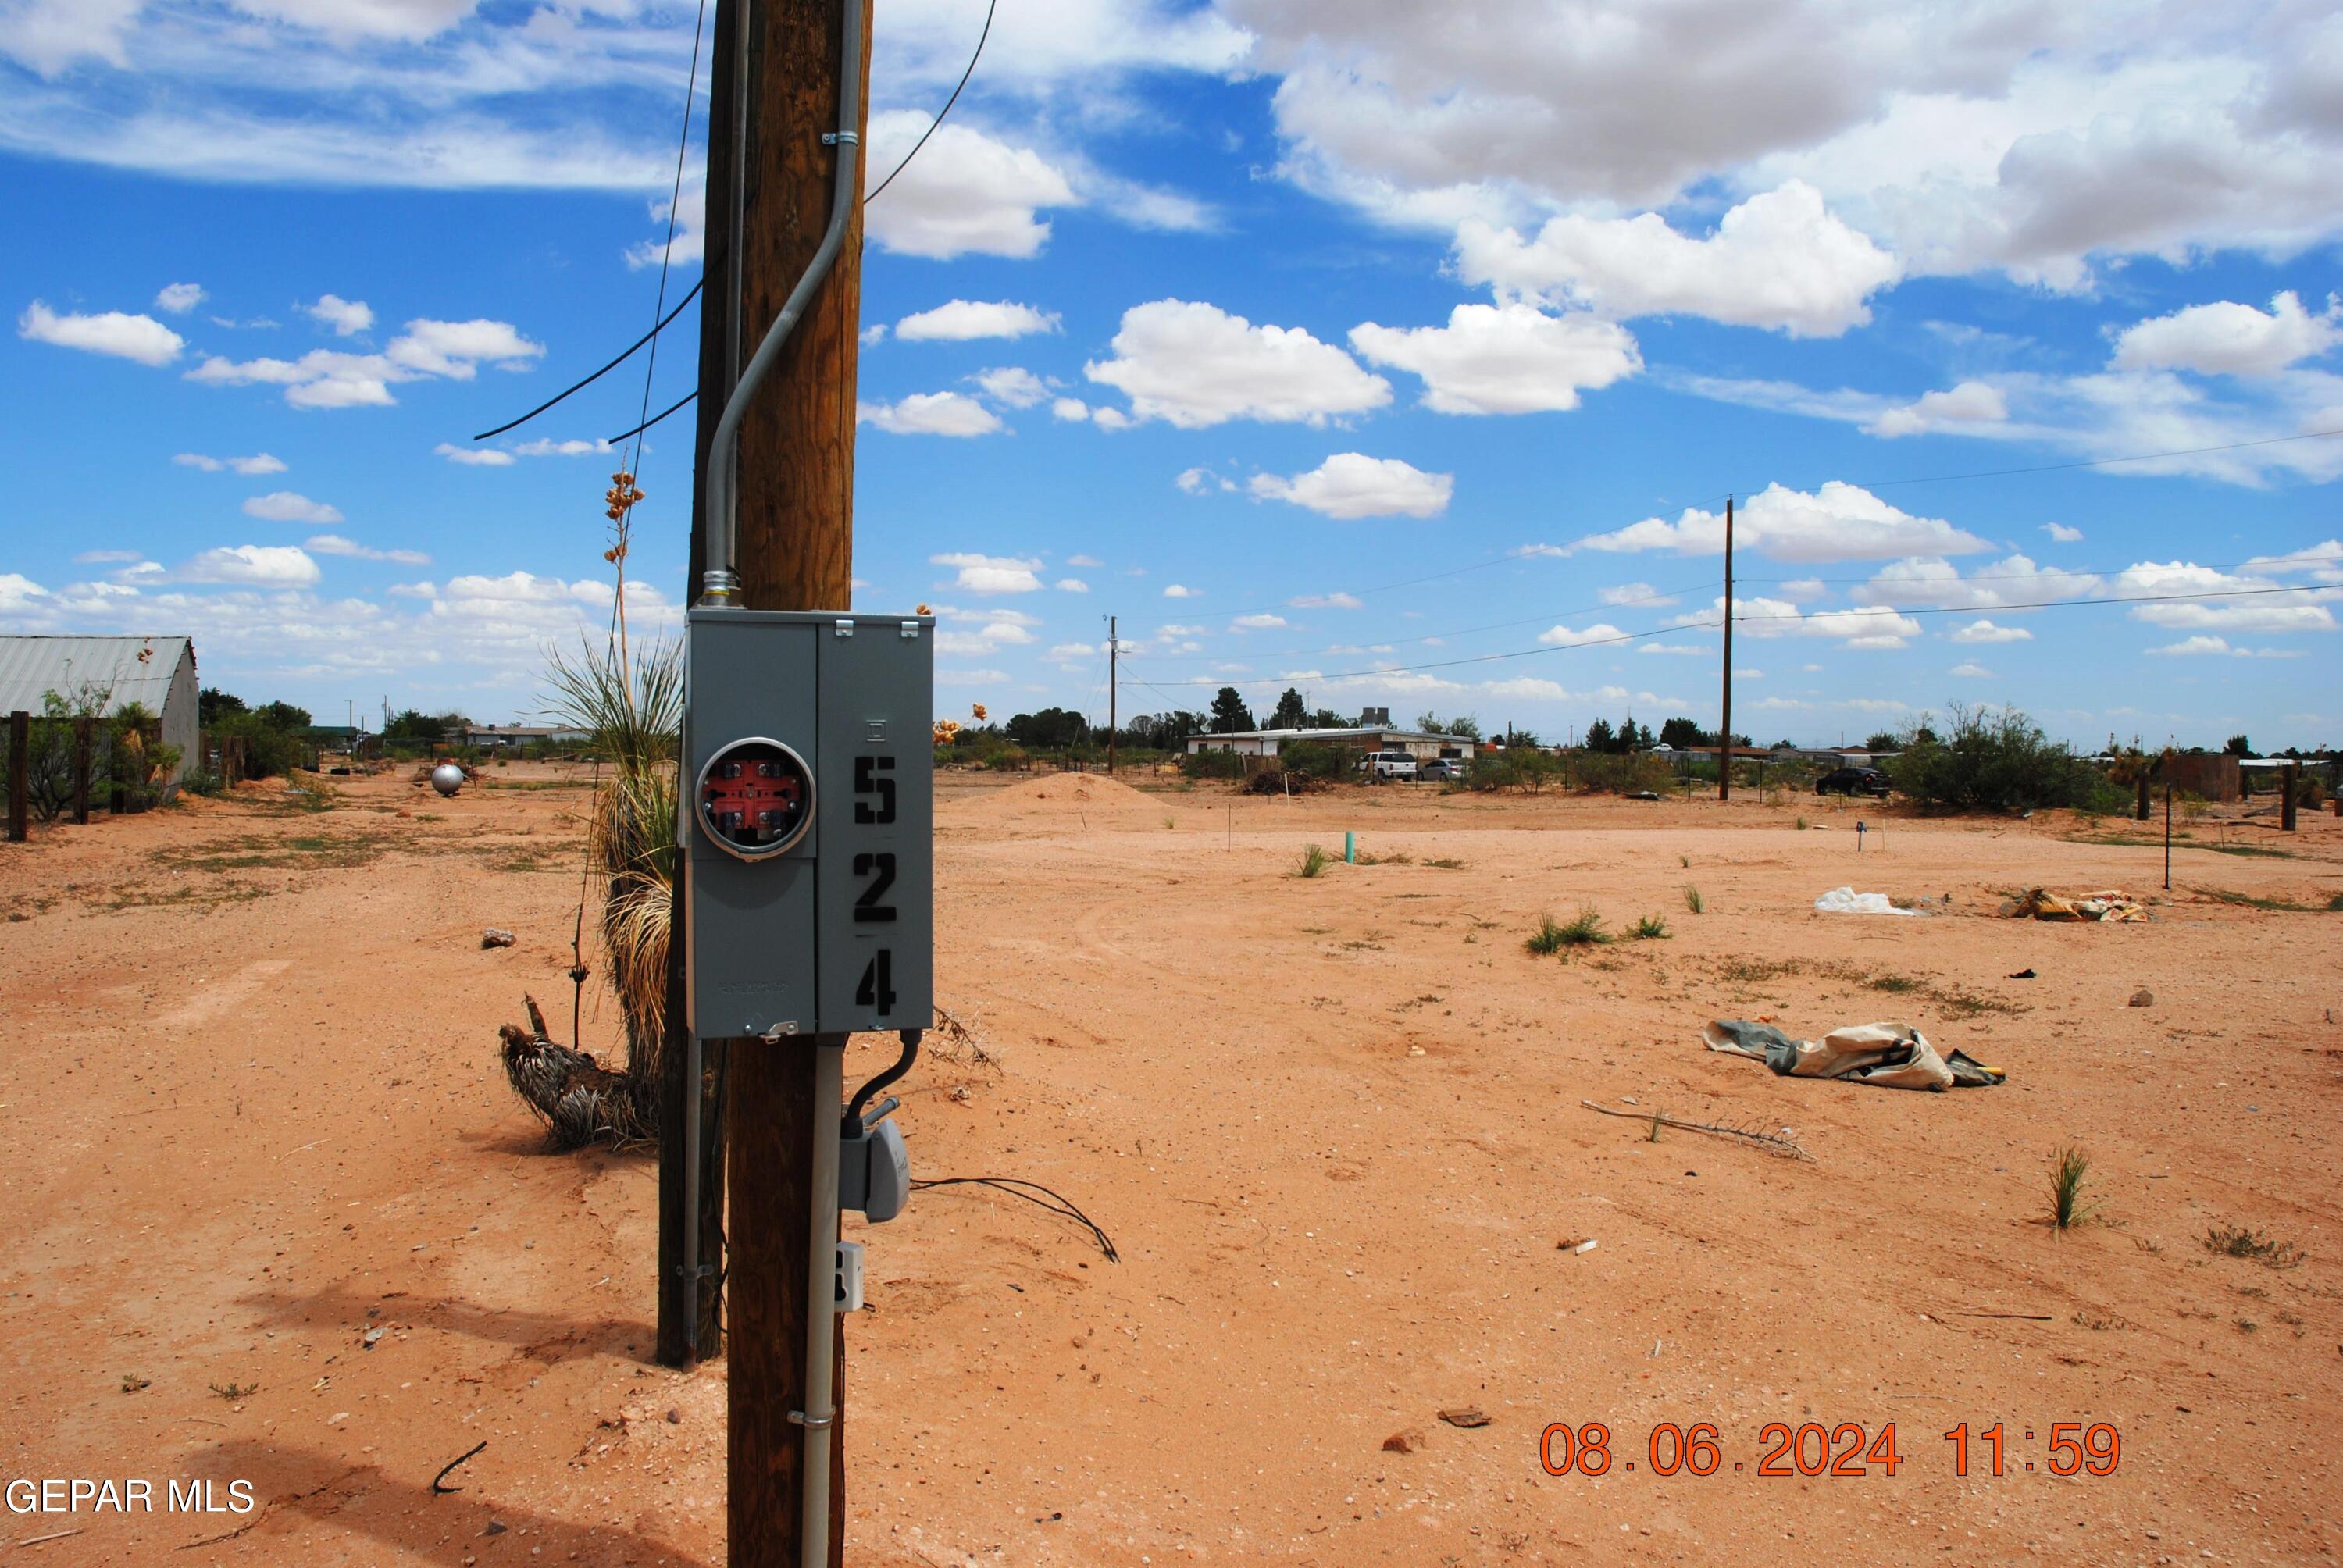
(868, 907)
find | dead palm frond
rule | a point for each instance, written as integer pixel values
(630, 704)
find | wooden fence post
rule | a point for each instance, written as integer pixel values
(20, 762)
(81, 771)
(2290, 781)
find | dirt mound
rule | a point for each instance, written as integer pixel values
(1090, 796)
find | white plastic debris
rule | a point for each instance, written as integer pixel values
(1585, 1246)
(1847, 901)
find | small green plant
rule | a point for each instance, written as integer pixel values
(2238, 1242)
(1650, 927)
(235, 1389)
(1584, 929)
(2068, 1208)
(1802, 824)
(1168, 822)
(1546, 939)
(1314, 860)
(132, 1382)
(1692, 899)
(1685, 862)
(1899, 984)
(1655, 1138)
(1447, 863)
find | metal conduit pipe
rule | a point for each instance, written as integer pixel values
(720, 584)
(821, 1291)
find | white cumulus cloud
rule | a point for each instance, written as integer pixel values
(475, 457)
(931, 413)
(1012, 385)
(179, 298)
(960, 320)
(1194, 364)
(966, 193)
(2230, 340)
(1985, 631)
(1354, 485)
(1780, 259)
(346, 317)
(255, 565)
(1837, 522)
(335, 544)
(1509, 358)
(991, 574)
(1970, 403)
(290, 507)
(121, 335)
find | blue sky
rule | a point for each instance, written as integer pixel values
(1330, 345)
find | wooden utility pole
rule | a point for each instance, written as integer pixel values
(1724, 736)
(776, 72)
(2291, 776)
(1113, 690)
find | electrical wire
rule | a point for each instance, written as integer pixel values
(655, 418)
(1711, 626)
(667, 251)
(990, 7)
(1014, 1186)
(589, 381)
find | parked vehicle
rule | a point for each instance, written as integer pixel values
(1852, 781)
(1441, 769)
(1396, 763)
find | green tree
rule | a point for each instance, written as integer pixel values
(1600, 737)
(1051, 730)
(2237, 746)
(1880, 741)
(1229, 714)
(409, 724)
(1289, 713)
(1683, 732)
(212, 705)
(282, 716)
(1327, 719)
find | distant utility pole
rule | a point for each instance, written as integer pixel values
(776, 76)
(1725, 740)
(1113, 648)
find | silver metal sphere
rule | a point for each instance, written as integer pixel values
(446, 777)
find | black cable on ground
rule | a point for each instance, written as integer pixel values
(1016, 1187)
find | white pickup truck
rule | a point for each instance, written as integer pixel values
(1396, 763)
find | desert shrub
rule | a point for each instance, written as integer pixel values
(1990, 760)
(1313, 860)
(1614, 773)
(1211, 765)
(1534, 770)
(1693, 900)
(1650, 927)
(270, 750)
(2068, 1208)
(1491, 772)
(1313, 759)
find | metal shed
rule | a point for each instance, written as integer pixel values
(157, 672)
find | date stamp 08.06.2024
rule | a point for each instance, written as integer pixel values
(1813, 1449)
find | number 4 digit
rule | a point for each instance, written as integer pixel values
(1882, 1450)
(877, 990)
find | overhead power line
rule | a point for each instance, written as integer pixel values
(939, 120)
(667, 251)
(580, 386)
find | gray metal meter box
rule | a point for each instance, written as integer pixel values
(808, 826)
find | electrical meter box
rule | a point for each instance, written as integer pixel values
(808, 821)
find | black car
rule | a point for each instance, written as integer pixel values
(1852, 781)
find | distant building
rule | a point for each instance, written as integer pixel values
(488, 737)
(1360, 737)
(158, 673)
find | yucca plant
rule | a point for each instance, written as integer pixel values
(630, 704)
(2068, 1208)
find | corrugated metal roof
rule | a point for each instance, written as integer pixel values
(33, 666)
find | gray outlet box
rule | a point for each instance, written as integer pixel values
(808, 821)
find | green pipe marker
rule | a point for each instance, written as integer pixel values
(1350, 848)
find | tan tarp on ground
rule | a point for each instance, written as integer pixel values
(1892, 1055)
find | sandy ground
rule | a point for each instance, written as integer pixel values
(250, 1114)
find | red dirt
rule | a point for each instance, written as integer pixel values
(250, 1111)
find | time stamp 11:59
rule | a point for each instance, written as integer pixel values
(1848, 1449)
